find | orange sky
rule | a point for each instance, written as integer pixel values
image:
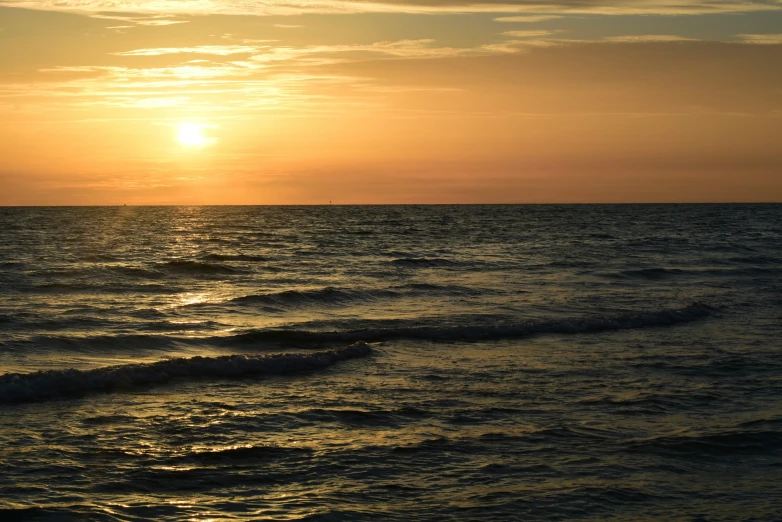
(433, 101)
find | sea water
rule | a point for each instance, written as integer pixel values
(546, 362)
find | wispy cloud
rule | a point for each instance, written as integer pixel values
(130, 17)
(270, 78)
(517, 46)
(639, 38)
(160, 22)
(527, 19)
(761, 39)
(297, 80)
(522, 41)
(292, 7)
(219, 50)
(215, 87)
(329, 54)
(310, 55)
(526, 34)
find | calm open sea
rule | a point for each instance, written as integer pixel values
(400, 363)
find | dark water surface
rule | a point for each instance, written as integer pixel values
(391, 363)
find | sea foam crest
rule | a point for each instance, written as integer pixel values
(24, 387)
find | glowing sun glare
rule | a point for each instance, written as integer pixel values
(191, 135)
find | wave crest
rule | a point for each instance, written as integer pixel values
(197, 267)
(25, 387)
(483, 332)
(421, 261)
(328, 295)
(233, 257)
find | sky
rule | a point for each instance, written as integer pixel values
(106, 102)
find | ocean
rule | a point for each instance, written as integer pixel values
(401, 363)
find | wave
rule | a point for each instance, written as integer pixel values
(339, 296)
(659, 273)
(434, 289)
(328, 295)
(105, 287)
(361, 416)
(647, 273)
(167, 334)
(441, 262)
(98, 257)
(233, 257)
(422, 262)
(37, 322)
(716, 444)
(246, 453)
(133, 271)
(481, 332)
(26, 387)
(196, 267)
(87, 344)
(755, 260)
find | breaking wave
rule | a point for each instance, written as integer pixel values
(483, 332)
(166, 334)
(331, 296)
(25, 387)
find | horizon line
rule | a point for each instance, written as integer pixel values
(394, 204)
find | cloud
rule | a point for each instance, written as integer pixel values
(154, 20)
(292, 7)
(527, 19)
(232, 88)
(554, 75)
(269, 78)
(536, 39)
(568, 77)
(160, 22)
(526, 34)
(315, 54)
(646, 38)
(760, 39)
(327, 54)
(219, 50)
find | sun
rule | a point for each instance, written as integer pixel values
(192, 135)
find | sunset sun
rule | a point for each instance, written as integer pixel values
(192, 135)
